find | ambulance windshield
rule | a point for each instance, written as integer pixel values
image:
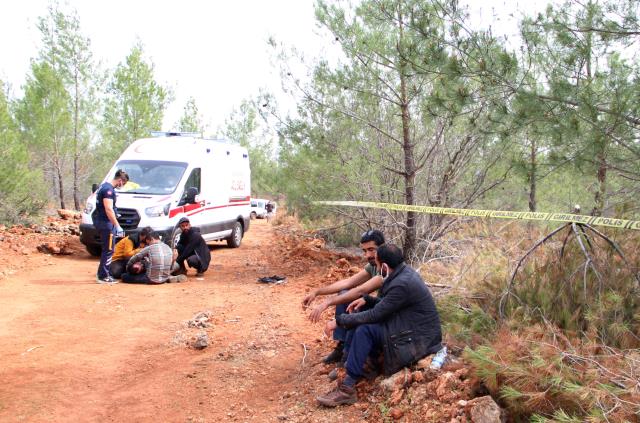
(151, 177)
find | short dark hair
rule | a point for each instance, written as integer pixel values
(153, 235)
(390, 254)
(146, 231)
(372, 235)
(121, 174)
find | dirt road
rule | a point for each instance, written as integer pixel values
(75, 351)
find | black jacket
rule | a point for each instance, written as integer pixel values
(409, 318)
(190, 243)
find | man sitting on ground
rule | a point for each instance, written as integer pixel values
(192, 248)
(126, 248)
(403, 324)
(157, 259)
(363, 282)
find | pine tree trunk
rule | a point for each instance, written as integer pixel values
(533, 168)
(602, 184)
(76, 153)
(61, 187)
(410, 239)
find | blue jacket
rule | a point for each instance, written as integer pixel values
(409, 318)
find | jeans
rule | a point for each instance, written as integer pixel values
(340, 334)
(367, 342)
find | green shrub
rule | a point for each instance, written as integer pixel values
(463, 321)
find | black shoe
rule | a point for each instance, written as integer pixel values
(335, 356)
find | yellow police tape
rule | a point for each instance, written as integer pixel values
(547, 217)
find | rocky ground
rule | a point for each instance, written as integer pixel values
(219, 348)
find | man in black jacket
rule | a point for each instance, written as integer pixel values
(402, 323)
(192, 248)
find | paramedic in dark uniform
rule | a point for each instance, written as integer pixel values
(106, 223)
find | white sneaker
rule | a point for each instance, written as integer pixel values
(108, 280)
(177, 279)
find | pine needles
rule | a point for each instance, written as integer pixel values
(564, 343)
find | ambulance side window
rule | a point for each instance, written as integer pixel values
(192, 182)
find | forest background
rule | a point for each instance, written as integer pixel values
(416, 108)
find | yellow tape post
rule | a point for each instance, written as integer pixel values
(610, 222)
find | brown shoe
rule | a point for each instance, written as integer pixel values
(343, 394)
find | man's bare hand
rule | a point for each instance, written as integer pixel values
(355, 305)
(317, 312)
(330, 327)
(306, 302)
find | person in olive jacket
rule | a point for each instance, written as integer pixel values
(192, 248)
(402, 324)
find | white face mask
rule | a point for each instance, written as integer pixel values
(384, 271)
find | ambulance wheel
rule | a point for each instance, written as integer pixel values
(94, 250)
(236, 236)
(175, 237)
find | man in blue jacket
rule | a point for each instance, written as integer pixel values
(402, 324)
(105, 220)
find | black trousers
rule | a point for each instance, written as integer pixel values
(193, 262)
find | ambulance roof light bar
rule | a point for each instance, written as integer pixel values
(159, 134)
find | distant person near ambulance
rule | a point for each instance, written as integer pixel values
(191, 249)
(106, 223)
(176, 175)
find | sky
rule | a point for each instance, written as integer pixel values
(212, 50)
(215, 51)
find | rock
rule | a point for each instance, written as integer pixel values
(396, 413)
(200, 320)
(396, 381)
(60, 247)
(424, 363)
(396, 397)
(417, 376)
(68, 214)
(343, 262)
(201, 342)
(49, 248)
(25, 252)
(445, 385)
(483, 410)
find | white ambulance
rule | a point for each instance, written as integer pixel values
(173, 175)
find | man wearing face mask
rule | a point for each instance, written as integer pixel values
(106, 223)
(402, 323)
(364, 282)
